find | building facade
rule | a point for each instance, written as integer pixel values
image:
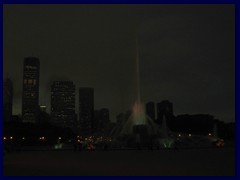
(164, 108)
(63, 104)
(30, 96)
(150, 110)
(101, 121)
(7, 100)
(86, 110)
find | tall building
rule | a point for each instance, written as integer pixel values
(30, 97)
(101, 121)
(164, 108)
(43, 108)
(7, 100)
(63, 104)
(150, 110)
(86, 110)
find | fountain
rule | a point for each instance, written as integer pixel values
(138, 128)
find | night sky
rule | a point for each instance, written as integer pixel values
(186, 53)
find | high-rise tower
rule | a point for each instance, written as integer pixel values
(63, 104)
(86, 110)
(150, 110)
(30, 96)
(7, 100)
(164, 108)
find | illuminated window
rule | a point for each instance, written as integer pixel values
(30, 81)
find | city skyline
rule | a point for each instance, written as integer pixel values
(178, 61)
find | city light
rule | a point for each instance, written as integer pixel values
(179, 135)
(11, 137)
(59, 138)
(209, 134)
(4, 138)
(23, 138)
(189, 135)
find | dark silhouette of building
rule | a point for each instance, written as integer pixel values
(30, 97)
(63, 104)
(164, 108)
(194, 123)
(101, 121)
(86, 110)
(150, 110)
(7, 100)
(43, 108)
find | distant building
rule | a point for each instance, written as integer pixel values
(63, 104)
(30, 97)
(195, 123)
(86, 110)
(43, 108)
(16, 119)
(7, 100)
(95, 121)
(150, 110)
(101, 121)
(164, 108)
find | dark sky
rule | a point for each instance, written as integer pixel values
(186, 53)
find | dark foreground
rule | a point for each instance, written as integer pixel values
(182, 162)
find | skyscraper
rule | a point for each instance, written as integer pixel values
(7, 100)
(63, 103)
(86, 110)
(164, 108)
(30, 97)
(101, 121)
(150, 110)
